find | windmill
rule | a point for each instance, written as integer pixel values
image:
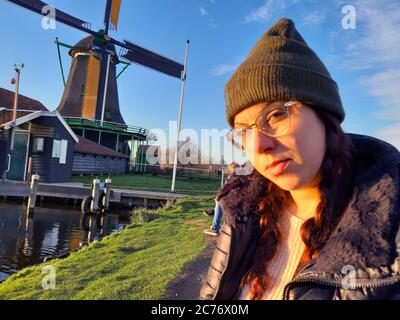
(104, 44)
(101, 56)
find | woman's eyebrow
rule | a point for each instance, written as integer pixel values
(266, 108)
(240, 124)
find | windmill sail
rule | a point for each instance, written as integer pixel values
(114, 14)
(152, 60)
(60, 16)
(133, 53)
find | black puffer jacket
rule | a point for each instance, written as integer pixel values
(367, 237)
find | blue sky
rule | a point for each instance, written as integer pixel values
(365, 62)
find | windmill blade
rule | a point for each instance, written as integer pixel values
(152, 60)
(60, 16)
(114, 13)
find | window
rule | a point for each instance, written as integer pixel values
(38, 144)
(60, 148)
(56, 148)
(83, 90)
(63, 151)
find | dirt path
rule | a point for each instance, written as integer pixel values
(188, 284)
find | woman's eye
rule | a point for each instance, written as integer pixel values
(276, 115)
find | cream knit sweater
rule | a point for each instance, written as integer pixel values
(283, 265)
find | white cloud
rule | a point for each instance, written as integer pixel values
(391, 134)
(385, 85)
(211, 21)
(203, 11)
(373, 49)
(212, 25)
(261, 14)
(316, 17)
(265, 12)
(223, 69)
(375, 41)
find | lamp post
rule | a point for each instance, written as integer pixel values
(180, 117)
(17, 68)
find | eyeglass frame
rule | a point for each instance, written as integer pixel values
(286, 106)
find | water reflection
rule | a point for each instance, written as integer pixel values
(51, 232)
(94, 227)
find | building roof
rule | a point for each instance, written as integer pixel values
(27, 110)
(24, 103)
(86, 146)
(29, 116)
(6, 115)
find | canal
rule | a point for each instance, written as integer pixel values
(49, 233)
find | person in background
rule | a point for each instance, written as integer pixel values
(216, 224)
(209, 213)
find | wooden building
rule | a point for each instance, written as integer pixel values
(40, 141)
(93, 158)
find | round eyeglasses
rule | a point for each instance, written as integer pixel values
(273, 121)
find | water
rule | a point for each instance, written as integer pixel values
(50, 232)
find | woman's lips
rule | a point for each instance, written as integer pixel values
(278, 168)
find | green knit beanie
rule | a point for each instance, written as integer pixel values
(282, 67)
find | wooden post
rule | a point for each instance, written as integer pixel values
(32, 193)
(94, 207)
(107, 190)
(29, 169)
(222, 171)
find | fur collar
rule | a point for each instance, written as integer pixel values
(364, 237)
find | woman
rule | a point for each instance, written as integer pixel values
(318, 218)
(216, 223)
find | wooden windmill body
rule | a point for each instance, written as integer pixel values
(79, 99)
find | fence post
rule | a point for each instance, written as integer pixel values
(94, 207)
(222, 171)
(32, 193)
(29, 169)
(107, 191)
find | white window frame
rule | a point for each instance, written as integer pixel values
(56, 148)
(63, 151)
(38, 144)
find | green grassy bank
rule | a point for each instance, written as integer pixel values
(136, 263)
(197, 186)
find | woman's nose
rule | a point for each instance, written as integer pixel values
(260, 142)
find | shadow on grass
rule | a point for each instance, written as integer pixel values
(193, 206)
(130, 250)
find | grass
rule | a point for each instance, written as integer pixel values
(136, 263)
(197, 186)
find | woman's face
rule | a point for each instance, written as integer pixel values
(303, 147)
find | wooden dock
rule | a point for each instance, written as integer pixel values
(77, 191)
